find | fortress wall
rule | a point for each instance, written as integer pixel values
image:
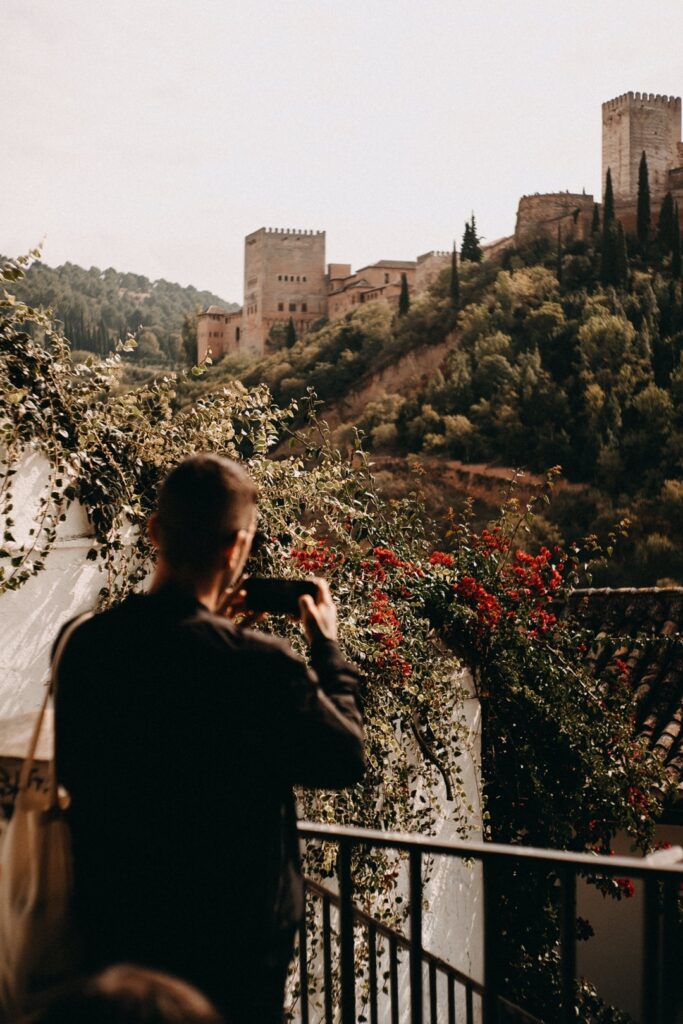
(284, 275)
(631, 124)
(544, 213)
(428, 268)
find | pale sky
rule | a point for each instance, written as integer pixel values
(152, 135)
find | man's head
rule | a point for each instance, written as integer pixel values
(205, 518)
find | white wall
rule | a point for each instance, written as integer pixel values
(613, 959)
(31, 617)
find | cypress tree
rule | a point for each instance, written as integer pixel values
(466, 247)
(455, 279)
(622, 256)
(290, 333)
(471, 247)
(608, 208)
(559, 254)
(676, 247)
(404, 297)
(643, 211)
(595, 226)
(609, 260)
(666, 225)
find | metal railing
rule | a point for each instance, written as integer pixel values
(662, 874)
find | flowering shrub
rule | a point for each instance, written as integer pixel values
(560, 763)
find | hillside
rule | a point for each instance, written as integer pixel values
(99, 306)
(540, 363)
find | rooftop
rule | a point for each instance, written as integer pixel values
(649, 623)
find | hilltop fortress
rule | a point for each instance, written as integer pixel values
(632, 124)
(285, 275)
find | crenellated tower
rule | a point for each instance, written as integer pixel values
(637, 122)
(284, 276)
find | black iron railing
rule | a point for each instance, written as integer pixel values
(663, 958)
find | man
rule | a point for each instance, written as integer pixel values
(179, 737)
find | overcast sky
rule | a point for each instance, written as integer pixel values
(152, 135)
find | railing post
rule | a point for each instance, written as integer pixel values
(651, 954)
(568, 943)
(672, 996)
(303, 968)
(348, 979)
(415, 937)
(491, 943)
(327, 961)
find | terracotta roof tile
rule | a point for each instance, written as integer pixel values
(649, 623)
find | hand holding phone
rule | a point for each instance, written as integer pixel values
(319, 616)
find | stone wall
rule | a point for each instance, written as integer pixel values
(218, 333)
(544, 213)
(284, 276)
(429, 266)
(635, 123)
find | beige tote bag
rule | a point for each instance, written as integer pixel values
(38, 948)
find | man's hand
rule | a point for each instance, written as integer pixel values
(319, 616)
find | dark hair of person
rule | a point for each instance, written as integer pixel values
(203, 503)
(126, 994)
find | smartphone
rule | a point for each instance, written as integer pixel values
(277, 596)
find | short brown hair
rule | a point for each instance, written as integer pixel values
(203, 502)
(126, 994)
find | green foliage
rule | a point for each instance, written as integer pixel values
(99, 307)
(470, 249)
(558, 744)
(608, 215)
(643, 225)
(404, 296)
(455, 280)
(290, 334)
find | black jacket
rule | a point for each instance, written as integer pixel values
(179, 737)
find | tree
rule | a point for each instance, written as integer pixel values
(610, 258)
(455, 279)
(595, 225)
(189, 336)
(666, 224)
(559, 254)
(643, 209)
(611, 261)
(471, 243)
(676, 247)
(290, 335)
(608, 208)
(622, 256)
(404, 297)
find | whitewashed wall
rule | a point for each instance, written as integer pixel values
(31, 617)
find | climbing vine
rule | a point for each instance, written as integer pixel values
(561, 765)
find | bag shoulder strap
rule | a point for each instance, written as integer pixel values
(51, 688)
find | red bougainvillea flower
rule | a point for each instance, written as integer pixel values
(316, 560)
(441, 558)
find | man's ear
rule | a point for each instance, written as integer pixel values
(237, 552)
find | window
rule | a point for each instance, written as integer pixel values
(297, 277)
(279, 277)
(304, 307)
(286, 278)
(303, 278)
(237, 334)
(386, 279)
(280, 307)
(292, 307)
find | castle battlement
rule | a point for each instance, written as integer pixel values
(627, 98)
(291, 231)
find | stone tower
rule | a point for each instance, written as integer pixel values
(631, 124)
(284, 276)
